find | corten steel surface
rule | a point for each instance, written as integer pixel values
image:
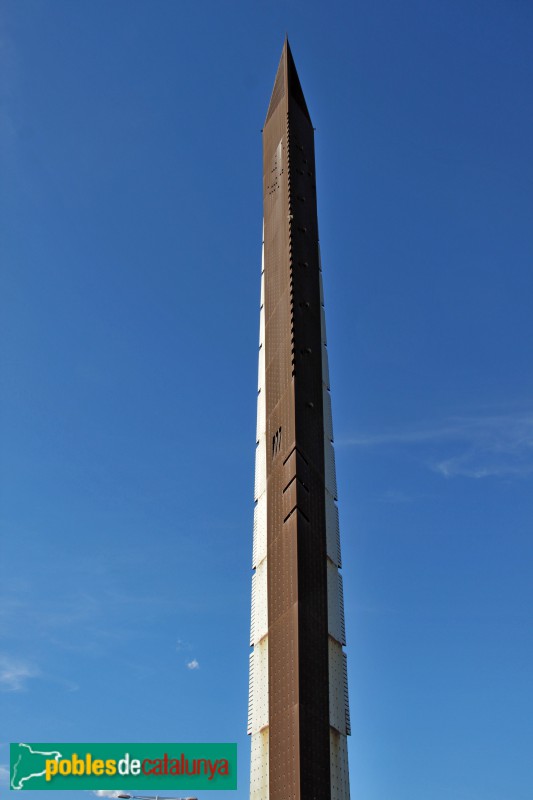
(299, 728)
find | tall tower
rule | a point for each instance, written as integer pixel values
(298, 714)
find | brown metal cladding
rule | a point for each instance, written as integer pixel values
(299, 754)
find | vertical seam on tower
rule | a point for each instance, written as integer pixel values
(289, 207)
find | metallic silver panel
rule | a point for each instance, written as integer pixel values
(332, 531)
(340, 777)
(335, 604)
(337, 695)
(328, 421)
(329, 468)
(260, 531)
(259, 686)
(260, 468)
(260, 603)
(325, 366)
(259, 766)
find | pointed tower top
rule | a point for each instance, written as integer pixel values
(287, 82)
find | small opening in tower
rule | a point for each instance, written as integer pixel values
(276, 442)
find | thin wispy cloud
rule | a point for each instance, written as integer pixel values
(476, 447)
(15, 674)
(4, 775)
(79, 621)
(108, 793)
(181, 645)
(193, 664)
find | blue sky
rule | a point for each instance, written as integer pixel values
(131, 193)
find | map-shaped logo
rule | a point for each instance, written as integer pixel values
(29, 764)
